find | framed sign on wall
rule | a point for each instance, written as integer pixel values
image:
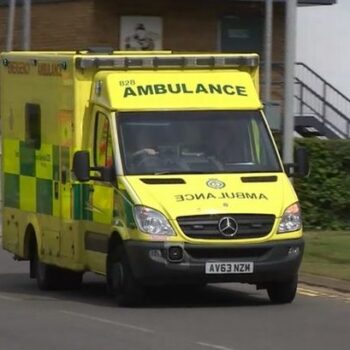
(141, 33)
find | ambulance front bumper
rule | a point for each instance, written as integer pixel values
(159, 263)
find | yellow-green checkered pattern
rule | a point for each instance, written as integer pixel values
(31, 176)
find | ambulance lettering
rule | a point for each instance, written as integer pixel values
(18, 68)
(183, 88)
(49, 69)
(222, 195)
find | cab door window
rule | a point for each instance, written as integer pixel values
(103, 152)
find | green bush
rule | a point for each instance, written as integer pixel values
(325, 194)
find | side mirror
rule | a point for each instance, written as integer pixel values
(107, 174)
(301, 165)
(81, 165)
(302, 162)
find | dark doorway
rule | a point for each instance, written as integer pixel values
(242, 33)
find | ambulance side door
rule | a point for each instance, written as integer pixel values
(101, 193)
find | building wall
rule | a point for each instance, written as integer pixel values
(187, 25)
(55, 26)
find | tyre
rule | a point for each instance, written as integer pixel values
(46, 275)
(121, 281)
(283, 292)
(49, 277)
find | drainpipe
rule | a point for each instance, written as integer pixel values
(26, 23)
(10, 25)
(268, 52)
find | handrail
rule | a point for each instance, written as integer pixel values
(316, 95)
(323, 80)
(315, 92)
(328, 104)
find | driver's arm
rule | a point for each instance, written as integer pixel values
(145, 151)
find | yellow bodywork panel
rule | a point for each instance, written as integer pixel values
(195, 197)
(28, 193)
(11, 160)
(151, 90)
(103, 204)
(44, 162)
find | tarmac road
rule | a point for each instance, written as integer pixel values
(224, 317)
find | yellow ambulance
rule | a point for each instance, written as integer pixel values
(151, 168)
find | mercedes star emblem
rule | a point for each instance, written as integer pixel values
(228, 226)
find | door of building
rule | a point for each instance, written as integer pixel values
(242, 33)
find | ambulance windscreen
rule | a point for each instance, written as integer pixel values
(192, 142)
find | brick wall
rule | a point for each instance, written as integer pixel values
(187, 25)
(57, 26)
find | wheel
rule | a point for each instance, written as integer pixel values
(120, 279)
(45, 275)
(283, 292)
(49, 277)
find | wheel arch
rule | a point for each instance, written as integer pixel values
(31, 236)
(114, 240)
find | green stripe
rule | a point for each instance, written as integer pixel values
(44, 196)
(128, 209)
(11, 190)
(76, 191)
(87, 214)
(27, 159)
(81, 201)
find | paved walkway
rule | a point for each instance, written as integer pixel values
(326, 282)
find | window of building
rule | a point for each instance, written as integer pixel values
(242, 33)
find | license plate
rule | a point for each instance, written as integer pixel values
(229, 267)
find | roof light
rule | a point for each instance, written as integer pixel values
(163, 62)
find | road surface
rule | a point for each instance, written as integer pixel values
(224, 317)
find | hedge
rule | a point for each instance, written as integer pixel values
(325, 194)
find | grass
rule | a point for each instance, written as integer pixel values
(327, 253)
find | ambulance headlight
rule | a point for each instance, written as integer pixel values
(291, 219)
(152, 222)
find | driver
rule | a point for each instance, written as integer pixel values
(146, 152)
(143, 147)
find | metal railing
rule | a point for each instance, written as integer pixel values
(317, 97)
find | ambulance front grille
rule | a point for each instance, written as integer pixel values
(207, 226)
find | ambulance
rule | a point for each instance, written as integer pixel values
(151, 169)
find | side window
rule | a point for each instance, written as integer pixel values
(103, 152)
(261, 145)
(32, 117)
(255, 141)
